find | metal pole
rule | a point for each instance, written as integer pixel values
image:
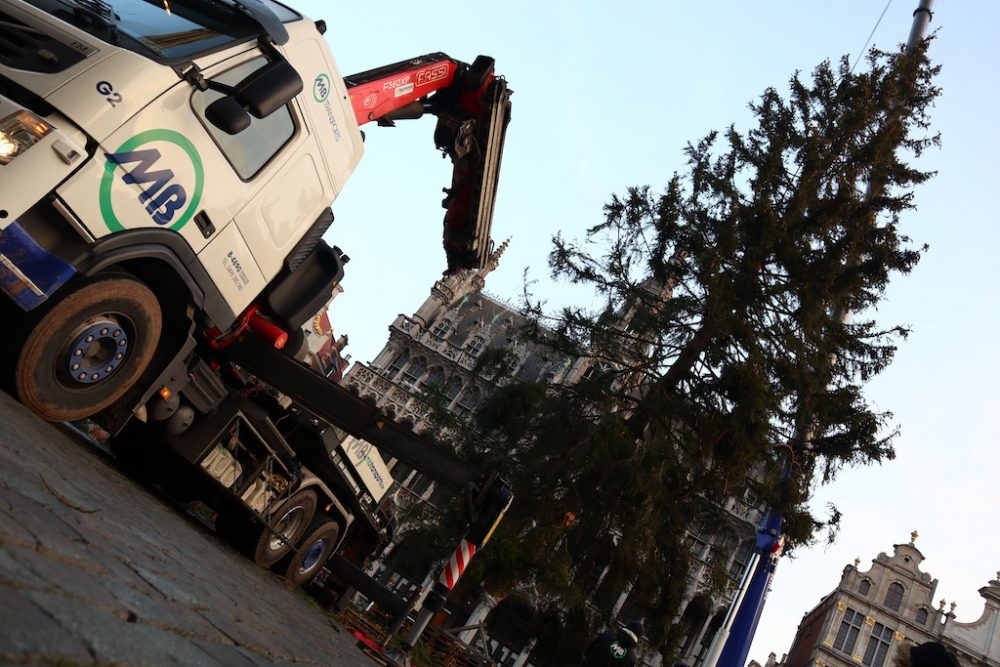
(722, 636)
(922, 16)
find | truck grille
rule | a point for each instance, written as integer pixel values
(27, 48)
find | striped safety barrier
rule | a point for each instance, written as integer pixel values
(457, 563)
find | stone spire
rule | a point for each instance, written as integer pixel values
(992, 591)
(494, 260)
(452, 287)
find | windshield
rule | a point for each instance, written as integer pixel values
(169, 31)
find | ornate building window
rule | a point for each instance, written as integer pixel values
(398, 363)
(435, 378)
(921, 617)
(699, 543)
(557, 370)
(476, 345)
(442, 328)
(741, 560)
(453, 388)
(864, 586)
(894, 596)
(416, 368)
(469, 400)
(878, 646)
(850, 627)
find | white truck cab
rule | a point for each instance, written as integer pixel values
(155, 160)
(193, 146)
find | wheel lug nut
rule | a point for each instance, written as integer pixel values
(117, 333)
(77, 353)
(104, 331)
(94, 376)
(122, 342)
(82, 376)
(75, 367)
(89, 339)
(119, 355)
(109, 369)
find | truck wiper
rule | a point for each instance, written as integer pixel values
(96, 13)
(262, 15)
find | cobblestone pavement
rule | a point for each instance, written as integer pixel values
(95, 570)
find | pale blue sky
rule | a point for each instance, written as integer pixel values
(605, 96)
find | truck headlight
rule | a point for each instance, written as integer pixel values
(19, 132)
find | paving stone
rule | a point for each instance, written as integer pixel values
(170, 588)
(46, 525)
(28, 631)
(15, 566)
(157, 610)
(228, 655)
(72, 581)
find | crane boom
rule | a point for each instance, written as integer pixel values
(472, 106)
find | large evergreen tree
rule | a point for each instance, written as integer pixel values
(720, 349)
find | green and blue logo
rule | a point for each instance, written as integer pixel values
(321, 88)
(164, 195)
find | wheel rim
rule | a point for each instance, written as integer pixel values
(96, 350)
(285, 529)
(313, 554)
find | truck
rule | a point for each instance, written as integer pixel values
(167, 172)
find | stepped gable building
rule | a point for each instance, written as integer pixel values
(439, 345)
(871, 613)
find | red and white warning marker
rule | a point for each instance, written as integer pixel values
(456, 565)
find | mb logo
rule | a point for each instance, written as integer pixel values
(164, 175)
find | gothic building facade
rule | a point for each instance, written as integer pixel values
(438, 346)
(872, 612)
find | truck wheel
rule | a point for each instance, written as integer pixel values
(315, 549)
(290, 521)
(88, 349)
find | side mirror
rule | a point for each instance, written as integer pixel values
(269, 88)
(227, 114)
(261, 93)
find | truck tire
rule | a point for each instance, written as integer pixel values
(88, 349)
(290, 521)
(313, 552)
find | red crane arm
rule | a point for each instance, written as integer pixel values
(472, 106)
(383, 90)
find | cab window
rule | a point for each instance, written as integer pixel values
(168, 32)
(254, 147)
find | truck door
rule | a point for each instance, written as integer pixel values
(273, 165)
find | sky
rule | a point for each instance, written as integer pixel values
(606, 95)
